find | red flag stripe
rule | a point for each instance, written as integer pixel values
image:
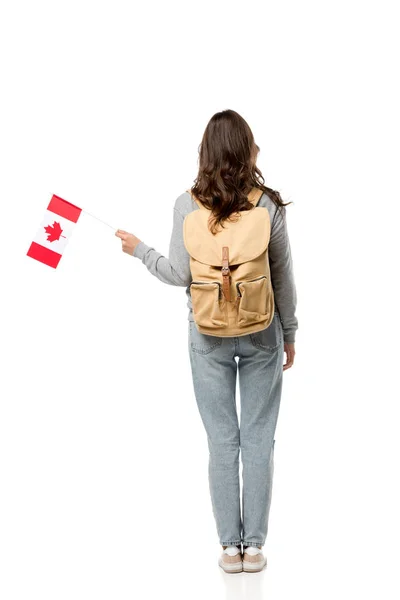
(44, 255)
(64, 209)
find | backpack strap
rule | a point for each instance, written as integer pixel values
(255, 195)
(226, 287)
(196, 200)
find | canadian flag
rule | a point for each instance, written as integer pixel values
(54, 231)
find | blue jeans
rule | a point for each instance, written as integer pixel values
(214, 369)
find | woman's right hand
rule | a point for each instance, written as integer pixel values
(290, 352)
(129, 241)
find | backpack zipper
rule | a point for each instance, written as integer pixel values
(239, 282)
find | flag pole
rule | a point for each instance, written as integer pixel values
(101, 220)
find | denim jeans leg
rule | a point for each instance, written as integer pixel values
(260, 384)
(214, 371)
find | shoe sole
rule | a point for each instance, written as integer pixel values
(231, 568)
(250, 567)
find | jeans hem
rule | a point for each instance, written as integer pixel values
(231, 543)
(252, 543)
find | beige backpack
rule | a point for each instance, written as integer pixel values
(231, 290)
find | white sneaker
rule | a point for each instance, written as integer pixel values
(231, 560)
(253, 559)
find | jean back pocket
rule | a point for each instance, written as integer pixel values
(270, 338)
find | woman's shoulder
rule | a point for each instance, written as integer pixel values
(275, 213)
(185, 204)
(267, 202)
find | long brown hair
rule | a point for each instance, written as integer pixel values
(227, 169)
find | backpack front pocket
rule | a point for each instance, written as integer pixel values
(253, 306)
(209, 308)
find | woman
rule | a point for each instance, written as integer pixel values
(227, 173)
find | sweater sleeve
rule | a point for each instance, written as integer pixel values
(281, 266)
(174, 270)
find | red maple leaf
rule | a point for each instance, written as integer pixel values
(54, 232)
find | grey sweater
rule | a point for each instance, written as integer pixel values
(175, 270)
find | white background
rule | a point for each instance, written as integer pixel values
(103, 455)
